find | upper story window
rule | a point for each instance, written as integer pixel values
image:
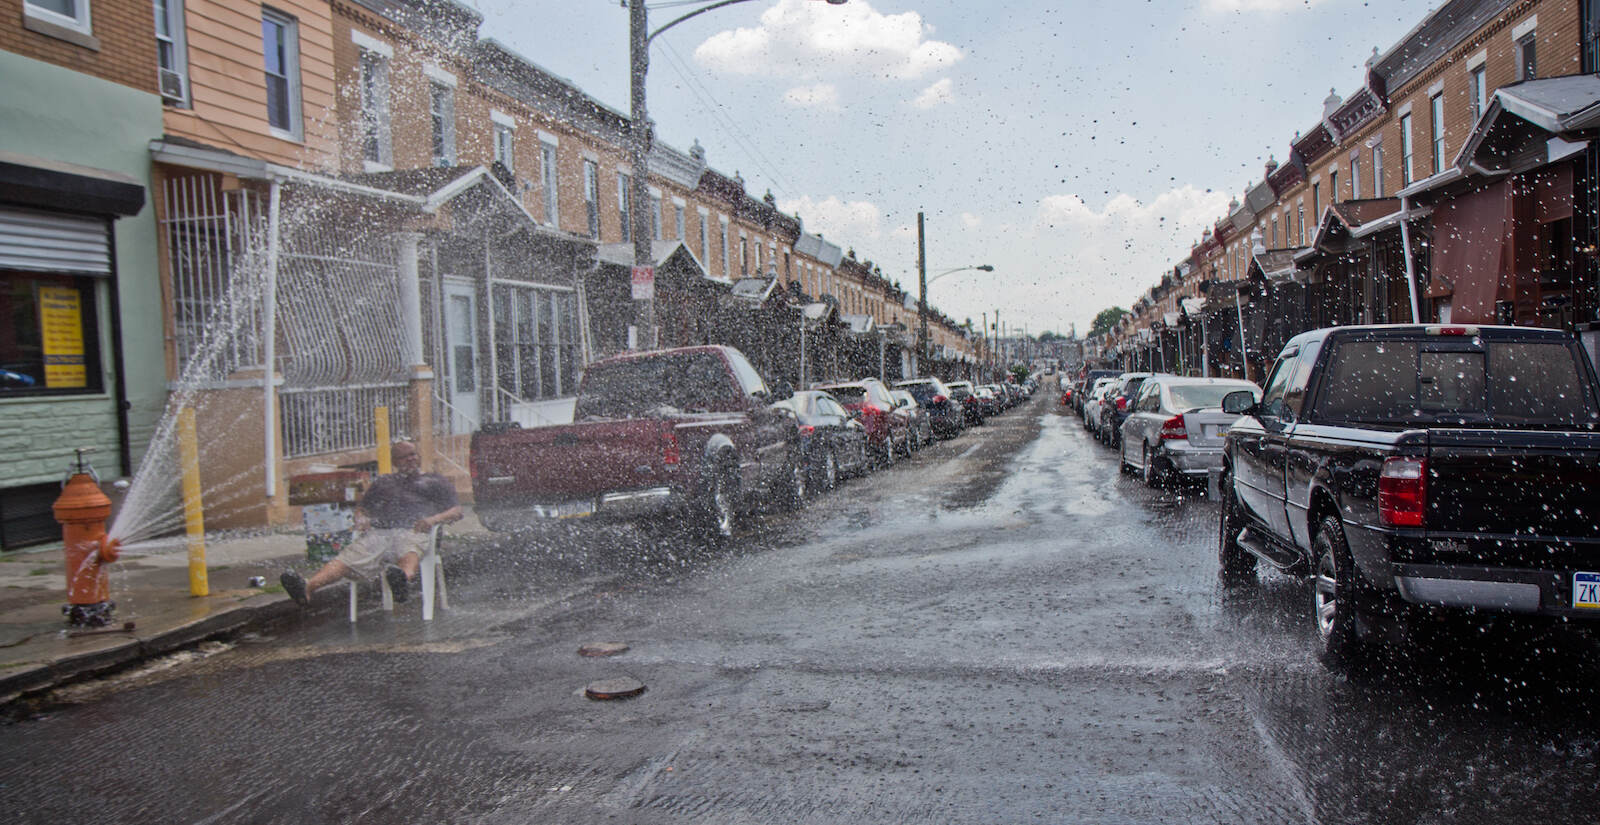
(442, 113)
(1405, 150)
(1355, 177)
(678, 219)
(1301, 208)
(505, 146)
(551, 175)
(1590, 21)
(1436, 118)
(655, 215)
(1316, 201)
(1478, 91)
(591, 197)
(1527, 57)
(69, 14)
(376, 138)
(1333, 186)
(1275, 232)
(705, 238)
(624, 200)
(1377, 170)
(172, 55)
(726, 267)
(280, 44)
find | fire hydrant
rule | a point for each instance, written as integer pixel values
(82, 510)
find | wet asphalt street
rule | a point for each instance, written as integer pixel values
(1003, 629)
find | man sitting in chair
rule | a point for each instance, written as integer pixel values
(395, 519)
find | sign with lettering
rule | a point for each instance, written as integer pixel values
(61, 328)
(644, 283)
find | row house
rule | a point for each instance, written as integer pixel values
(1457, 184)
(287, 216)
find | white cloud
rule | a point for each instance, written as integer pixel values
(970, 220)
(798, 38)
(1257, 5)
(817, 96)
(939, 93)
(843, 222)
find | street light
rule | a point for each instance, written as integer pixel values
(639, 37)
(922, 301)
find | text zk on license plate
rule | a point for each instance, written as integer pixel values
(1586, 590)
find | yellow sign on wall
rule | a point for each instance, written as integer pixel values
(61, 322)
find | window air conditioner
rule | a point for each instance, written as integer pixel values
(172, 85)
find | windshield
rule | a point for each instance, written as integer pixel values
(1506, 383)
(695, 382)
(1201, 396)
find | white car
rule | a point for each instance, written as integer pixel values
(1175, 426)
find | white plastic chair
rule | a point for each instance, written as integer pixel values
(432, 574)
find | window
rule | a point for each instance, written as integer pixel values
(505, 146)
(375, 132)
(172, 60)
(1590, 17)
(1406, 148)
(1272, 401)
(1377, 170)
(726, 267)
(550, 174)
(1478, 92)
(1333, 186)
(744, 255)
(281, 50)
(442, 111)
(1527, 58)
(1275, 232)
(1316, 201)
(591, 197)
(655, 215)
(71, 14)
(705, 239)
(1436, 116)
(677, 209)
(1355, 177)
(536, 342)
(1302, 221)
(624, 201)
(50, 343)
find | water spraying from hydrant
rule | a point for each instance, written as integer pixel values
(82, 510)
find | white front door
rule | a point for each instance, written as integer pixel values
(461, 356)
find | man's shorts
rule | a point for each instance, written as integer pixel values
(367, 556)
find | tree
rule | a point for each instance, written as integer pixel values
(1047, 336)
(1107, 319)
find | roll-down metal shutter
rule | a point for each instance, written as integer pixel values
(52, 242)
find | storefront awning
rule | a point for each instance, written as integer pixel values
(31, 181)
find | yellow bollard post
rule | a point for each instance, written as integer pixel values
(193, 511)
(380, 428)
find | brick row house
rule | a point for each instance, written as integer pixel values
(1457, 184)
(389, 210)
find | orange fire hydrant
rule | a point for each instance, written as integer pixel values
(82, 510)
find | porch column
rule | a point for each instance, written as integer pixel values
(419, 395)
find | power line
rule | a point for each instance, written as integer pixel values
(719, 111)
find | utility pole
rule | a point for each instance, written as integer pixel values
(922, 300)
(639, 149)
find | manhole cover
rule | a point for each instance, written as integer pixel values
(619, 688)
(603, 649)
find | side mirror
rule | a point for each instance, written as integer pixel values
(1239, 402)
(785, 389)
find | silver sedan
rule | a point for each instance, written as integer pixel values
(1175, 426)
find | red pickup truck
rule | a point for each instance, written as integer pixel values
(677, 437)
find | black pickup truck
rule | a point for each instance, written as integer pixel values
(1453, 467)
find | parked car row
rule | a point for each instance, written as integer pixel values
(1164, 427)
(693, 437)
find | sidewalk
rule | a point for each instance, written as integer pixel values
(150, 590)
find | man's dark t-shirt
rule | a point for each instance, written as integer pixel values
(399, 501)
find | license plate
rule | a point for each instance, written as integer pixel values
(1586, 590)
(566, 509)
(1210, 430)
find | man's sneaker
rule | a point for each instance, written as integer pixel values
(399, 585)
(295, 585)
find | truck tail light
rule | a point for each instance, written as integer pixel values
(939, 399)
(670, 453)
(1444, 329)
(1403, 491)
(1173, 428)
(1122, 403)
(807, 429)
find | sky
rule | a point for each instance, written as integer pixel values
(1079, 147)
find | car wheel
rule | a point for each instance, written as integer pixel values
(888, 450)
(1238, 565)
(721, 506)
(1122, 463)
(830, 471)
(799, 483)
(1151, 474)
(1334, 593)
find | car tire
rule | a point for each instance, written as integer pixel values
(798, 488)
(888, 450)
(1149, 472)
(719, 517)
(830, 471)
(1335, 594)
(1236, 564)
(1122, 463)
